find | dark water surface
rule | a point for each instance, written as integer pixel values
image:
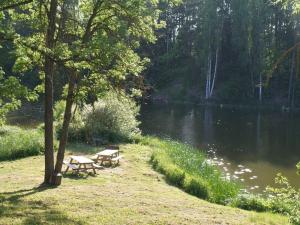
(262, 143)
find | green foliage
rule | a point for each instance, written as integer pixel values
(11, 94)
(242, 30)
(18, 143)
(77, 132)
(113, 118)
(103, 48)
(186, 167)
(286, 199)
(196, 186)
(251, 202)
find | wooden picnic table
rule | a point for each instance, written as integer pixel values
(81, 163)
(107, 155)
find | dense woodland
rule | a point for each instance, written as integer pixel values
(230, 51)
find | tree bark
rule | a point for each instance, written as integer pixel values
(291, 81)
(208, 77)
(215, 73)
(260, 88)
(48, 117)
(64, 134)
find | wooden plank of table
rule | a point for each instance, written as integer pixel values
(108, 152)
(82, 159)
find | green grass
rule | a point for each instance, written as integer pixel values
(186, 168)
(18, 143)
(132, 193)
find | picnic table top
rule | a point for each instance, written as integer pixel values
(82, 159)
(107, 152)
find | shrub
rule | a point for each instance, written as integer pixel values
(18, 143)
(185, 167)
(196, 186)
(253, 203)
(174, 175)
(286, 199)
(113, 118)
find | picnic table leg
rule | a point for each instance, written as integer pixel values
(67, 169)
(77, 172)
(110, 161)
(94, 169)
(102, 159)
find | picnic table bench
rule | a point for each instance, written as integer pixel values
(108, 155)
(81, 163)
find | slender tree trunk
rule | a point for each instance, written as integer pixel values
(215, 73)
(49, 72)
(208, 78)
(260, 88)
(291, 81)
(65, 128)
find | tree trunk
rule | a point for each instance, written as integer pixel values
(215, 73)
(65, 128)
(49, 72)
(260, 88)
(208, 77)
(291, 81)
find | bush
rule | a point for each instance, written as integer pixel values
(18, 143)
(175, 175)
(196, 186)
(113, 118)
(185, 167)
(252, 203)
(286, 199)
(110, 120)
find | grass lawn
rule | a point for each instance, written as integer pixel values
(132, 193)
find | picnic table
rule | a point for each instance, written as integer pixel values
(81, 163)
(108, 155)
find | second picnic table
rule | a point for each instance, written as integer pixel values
(81, 163)
(107, 155)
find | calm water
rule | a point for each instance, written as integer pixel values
(263, 143)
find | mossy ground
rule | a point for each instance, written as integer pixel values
(132, 193)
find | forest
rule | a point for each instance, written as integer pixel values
(231, 51)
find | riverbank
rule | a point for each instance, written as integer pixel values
(189, 169)
(132, 193)
(282, 107)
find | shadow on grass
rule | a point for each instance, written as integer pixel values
(13, 207)
(79, 176)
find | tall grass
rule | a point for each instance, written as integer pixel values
(186, 167)
(18, 143)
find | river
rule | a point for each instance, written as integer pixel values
(253, 146)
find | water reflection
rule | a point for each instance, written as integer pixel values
(265, 142)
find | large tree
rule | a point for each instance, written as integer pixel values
(92, 43)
